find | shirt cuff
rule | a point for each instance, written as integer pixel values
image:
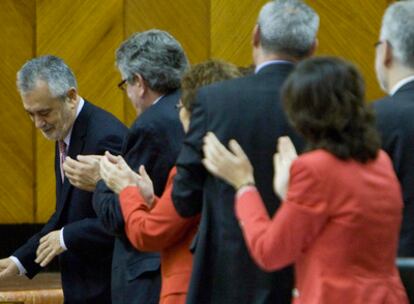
(62, 240)
(244, 189)
(19, 265)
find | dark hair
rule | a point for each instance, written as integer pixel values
(203, 74)
(324, 101)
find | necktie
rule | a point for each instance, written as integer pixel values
(62, 156)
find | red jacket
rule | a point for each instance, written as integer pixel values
(339, 225)
(161, 229)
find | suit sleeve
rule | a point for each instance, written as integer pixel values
(188, 184)
(143, 147)
(26, 253)
(276, 243)
(152, 229)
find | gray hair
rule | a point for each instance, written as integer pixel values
(398, 29)
(50, 69)
(288, 27)
(156, 56)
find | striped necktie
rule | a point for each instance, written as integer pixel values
(62, 156)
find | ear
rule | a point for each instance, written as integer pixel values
(314, 47)
(72, 95)
(142, 85)
(256, 36)
(388, 57)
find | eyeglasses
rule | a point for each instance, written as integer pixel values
(123, 85)
(376, 44)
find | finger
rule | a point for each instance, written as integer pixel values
(107, 169)
(211, 148)
(47, 259)
(143, 172)
(44, 238)
(43, 254)
(210, 166)
(86, 159)
(222, 151)
(106, 164)
(122, 163)
(286, 147)
(103, 169)
(93, 156)
(237, 149)
(72, 167)
(70, 162)
(218, 153)
(277, 162)
(112, 158)
(41, 248)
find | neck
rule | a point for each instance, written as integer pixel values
(260, 56)
(397, 74)
(72, 118)
(150, 98)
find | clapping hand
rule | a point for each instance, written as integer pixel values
(282, 160)
(232, 165)
(117, 175)
(83, 172)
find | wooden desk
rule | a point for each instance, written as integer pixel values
(45, 288)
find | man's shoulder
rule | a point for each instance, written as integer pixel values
(237, 84)
(164, 112)
(96, 118)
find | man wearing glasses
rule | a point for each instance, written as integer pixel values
(151, 64)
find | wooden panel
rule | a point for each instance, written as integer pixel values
(232, 24)
(16, 138)
(85, 33)
(187, 21)
(349, 29)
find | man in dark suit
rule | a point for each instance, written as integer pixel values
(49, 92)
(151, 64)
(394, 65)
(249, 110)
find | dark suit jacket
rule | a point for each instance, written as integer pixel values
(395, 116)
(249, 110)
(154, 140)
(85, 266)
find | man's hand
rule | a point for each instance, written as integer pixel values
(282, 160)
(49, 248)
(83, 173)
(8, 268)
(117, 175)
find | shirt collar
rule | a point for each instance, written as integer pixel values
(266, 63)
(158, 99)
(401, 83)
(80, 106)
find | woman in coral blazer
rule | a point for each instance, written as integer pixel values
(340, 220)
(152, 223)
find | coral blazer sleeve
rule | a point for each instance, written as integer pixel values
(275, 243)
(157, 228)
